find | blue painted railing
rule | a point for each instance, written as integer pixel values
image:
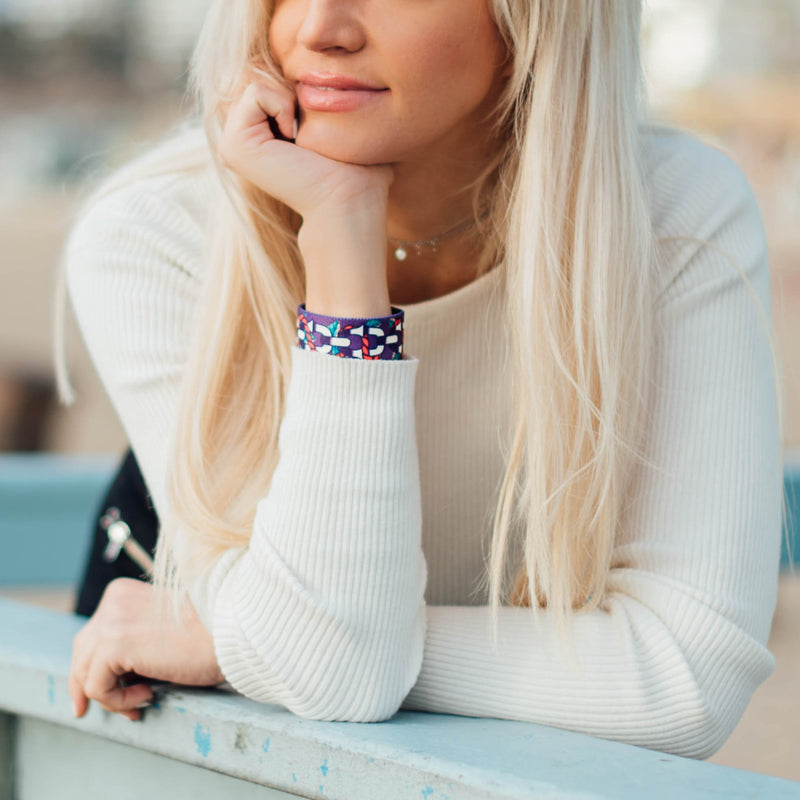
(204, 743)
(210, 743)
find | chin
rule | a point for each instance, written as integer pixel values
(342, 145)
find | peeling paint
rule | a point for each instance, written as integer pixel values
(241, 738)
(294, 777)
(324, 768)
(427, 791)
(265, 748)
(202, 738)
(51, 689)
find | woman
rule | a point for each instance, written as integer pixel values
(560, 500)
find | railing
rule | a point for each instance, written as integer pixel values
(210, 743)
(204, 743)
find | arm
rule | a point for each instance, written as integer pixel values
(323, 612)
(676, 657)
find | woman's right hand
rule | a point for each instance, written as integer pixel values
(344, 206)
(304, 180)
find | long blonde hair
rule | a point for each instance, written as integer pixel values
(569, 224)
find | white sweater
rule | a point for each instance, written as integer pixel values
(359, 594)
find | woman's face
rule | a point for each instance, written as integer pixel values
(434, 69)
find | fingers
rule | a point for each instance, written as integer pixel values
(102, 685)
(248, 124)
(276, 102)
(125, 700)
(80, 702)
(95, 675)
(77, 673)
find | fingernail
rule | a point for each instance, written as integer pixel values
(294, 129)
(145, 704)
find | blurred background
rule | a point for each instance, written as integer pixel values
(86, 83)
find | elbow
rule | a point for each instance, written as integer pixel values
(369, 685)
(680, 725)
(367, 701)
(321, 662)
(718, 701)
(702, 734)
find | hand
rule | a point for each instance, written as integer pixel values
(121, 637)
(302, 179)
(344, 206)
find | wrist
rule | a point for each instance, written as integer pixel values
(343, 227)
(348, 307)
(344, 255)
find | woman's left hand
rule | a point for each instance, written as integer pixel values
(121, 637)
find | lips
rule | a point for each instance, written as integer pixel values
(326, 91)
(333, 80)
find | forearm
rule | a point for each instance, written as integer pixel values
(324, 613)
(638, 678)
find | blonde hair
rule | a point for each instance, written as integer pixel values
(579, 297)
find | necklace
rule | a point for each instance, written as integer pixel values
(401, 246)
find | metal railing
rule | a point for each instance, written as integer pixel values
(202, 743)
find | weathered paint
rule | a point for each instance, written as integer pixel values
(405, 757)
(241, 738)
(108, 769)
(202, 738)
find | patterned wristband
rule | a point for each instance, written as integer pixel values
(376, 338)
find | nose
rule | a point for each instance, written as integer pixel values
(332, 25)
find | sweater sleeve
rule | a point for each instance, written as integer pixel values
(323, 612)
(673, 660)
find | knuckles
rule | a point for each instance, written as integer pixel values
(273, 100)
(125, 589)
(120, 605)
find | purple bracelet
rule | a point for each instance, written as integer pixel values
(369, 338)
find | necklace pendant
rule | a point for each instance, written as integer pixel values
(400, 253)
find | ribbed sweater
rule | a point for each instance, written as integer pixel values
(360, 591)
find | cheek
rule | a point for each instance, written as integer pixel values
(449, 70)
(280, 31)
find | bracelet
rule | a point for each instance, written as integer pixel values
(375, 338)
